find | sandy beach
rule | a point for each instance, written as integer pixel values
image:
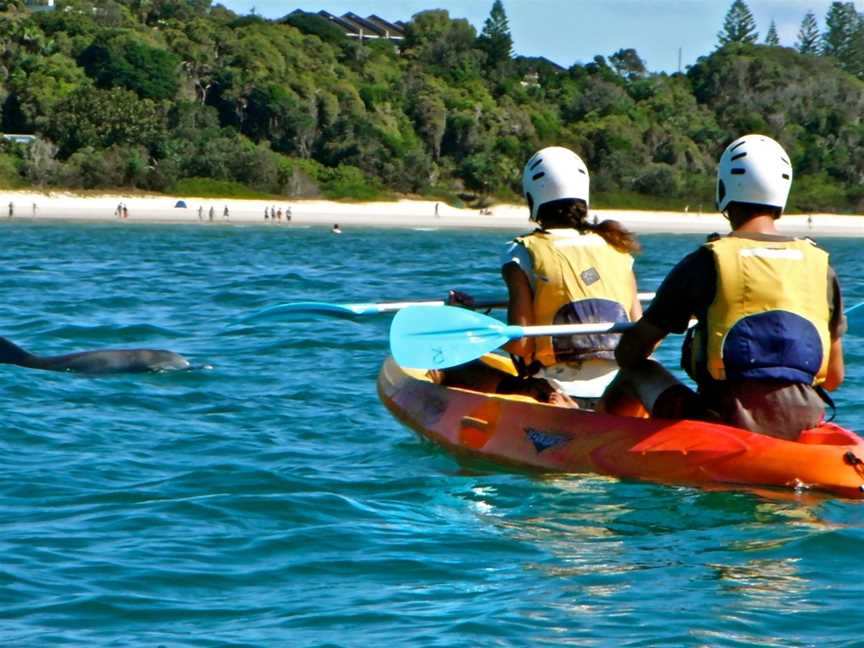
(402, 213)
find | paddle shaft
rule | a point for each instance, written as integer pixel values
(390, 307)
(514, 331)
(299, 310)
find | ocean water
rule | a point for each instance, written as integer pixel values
(266, 498)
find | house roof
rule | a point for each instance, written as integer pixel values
(396, 29)
(355, 25)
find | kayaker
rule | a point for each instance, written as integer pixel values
(568, 270)
(769, 311)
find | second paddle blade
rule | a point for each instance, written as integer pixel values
(423, 337)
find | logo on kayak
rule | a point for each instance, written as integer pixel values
(433, 410)
(544, 440)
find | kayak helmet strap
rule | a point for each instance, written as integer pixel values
(823, 394)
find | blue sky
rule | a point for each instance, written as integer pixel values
(570, 31)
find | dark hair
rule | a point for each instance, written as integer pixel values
(573, 213)
(743, 212)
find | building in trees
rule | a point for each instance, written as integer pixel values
(355, 26)
(39, 5)
(18, 138)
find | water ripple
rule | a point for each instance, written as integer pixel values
(270, 499)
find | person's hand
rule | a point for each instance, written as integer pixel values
(459, 298)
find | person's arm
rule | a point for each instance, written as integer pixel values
(837, 326)
(638, 343)
(636, 306)
(689, 284)
(520, 307)
(836, 366)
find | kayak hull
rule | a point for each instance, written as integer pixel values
(519, 431)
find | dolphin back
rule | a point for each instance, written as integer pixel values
(117, 361)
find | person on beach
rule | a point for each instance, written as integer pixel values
(568, 270)
(211, 213)
(279, 214)
(200, 212)
(125, 211)
(288, 214)
(336, 229)
(768, 341)
(225, 215)
(266, 213)
(11, 209)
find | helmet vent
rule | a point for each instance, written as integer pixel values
(741, 143)
(537, 176)
(786, 176)
(534, 166)
(582, 171)
(738, 171)
(739, 156)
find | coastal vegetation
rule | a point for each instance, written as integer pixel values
(187, 97)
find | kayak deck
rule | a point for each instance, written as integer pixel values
(517, 430)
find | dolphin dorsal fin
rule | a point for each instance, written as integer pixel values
(11, 353)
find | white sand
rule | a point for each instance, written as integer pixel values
(403, 213)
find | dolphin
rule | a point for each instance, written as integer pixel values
(101, 361)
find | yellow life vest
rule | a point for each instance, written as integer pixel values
(579, 278)
(769, 318)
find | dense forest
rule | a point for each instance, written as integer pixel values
(186, 97)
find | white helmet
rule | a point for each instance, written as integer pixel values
(754, 169)
(554, 173)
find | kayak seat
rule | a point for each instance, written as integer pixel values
(827, 434)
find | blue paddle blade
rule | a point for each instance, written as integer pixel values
(423, 337)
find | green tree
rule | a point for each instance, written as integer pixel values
(495, 39)
(152, 12)
(739, 26)
(197, 43)
(808, 35)
(276, 114)
(771, 38)
(430, 116)
(444, 45)
(843, 36)
(628, 64)
(39, 82)
(128, 62)
(102, 118)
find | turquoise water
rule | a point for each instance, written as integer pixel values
(271, 500)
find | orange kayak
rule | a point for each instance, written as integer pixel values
(517, 430)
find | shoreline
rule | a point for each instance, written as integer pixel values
(415, 214)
